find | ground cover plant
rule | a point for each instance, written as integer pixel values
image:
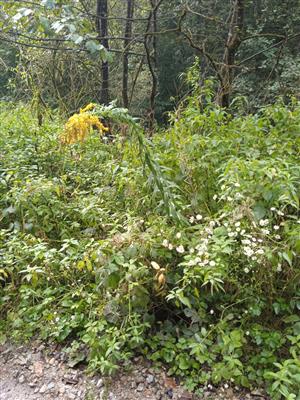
(183, 248)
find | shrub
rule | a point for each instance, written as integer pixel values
(185, 248)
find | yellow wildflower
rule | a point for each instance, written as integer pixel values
(89, 107)
(79, 126)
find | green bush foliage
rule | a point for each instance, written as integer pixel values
(184, 248)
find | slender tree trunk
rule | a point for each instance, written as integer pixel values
(234, 39)
(102, 29)
(150, 43)
(127, 40)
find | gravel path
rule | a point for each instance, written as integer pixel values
(38, 373)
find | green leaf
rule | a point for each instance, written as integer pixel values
(259, 211)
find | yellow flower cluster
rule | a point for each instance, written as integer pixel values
(89, 107)
(79, 126)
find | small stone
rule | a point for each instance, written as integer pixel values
(43, 389)
(22, 360)
(99, 383)
(257, 393)
(71, 396)
(21, 379)
(62, 390)
(52, 361)
(140, 387)
(150, 379)
(139, 379)
(133, 385)
(186, 396)
(50, 386)
(38, 368)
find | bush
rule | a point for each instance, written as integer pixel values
(184, 249)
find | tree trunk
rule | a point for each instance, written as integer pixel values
(233, 42)
(127, 40)
(102, 29)
(150, 39)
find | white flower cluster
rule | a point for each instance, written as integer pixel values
(197, 218)
(180, 249)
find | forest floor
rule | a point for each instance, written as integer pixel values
(40, 372)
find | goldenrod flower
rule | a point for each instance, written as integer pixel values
(79, 126)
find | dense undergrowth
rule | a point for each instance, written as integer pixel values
(186, 250)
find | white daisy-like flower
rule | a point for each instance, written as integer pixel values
(165, 243)
(215, 197)
(246, 241)
(246, 270)
(212, 263)
(260, 251)
(263, 222)
(199, 217)
(178, 235)
(211, 312)
(279, 268)
(170, 246)
(248, 251)
(276, 227)
(192, 220)
(180, 249)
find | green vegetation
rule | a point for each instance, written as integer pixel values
(184, 248)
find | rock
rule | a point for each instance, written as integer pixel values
(51, 386)
(139, 379)
(140, 387)
(62, 389)
(21, 360)
(43, 389)
(257, 393)
(52, 361)
(133, 385)
(150, 379)
(38, 368)
(185, 396)
(100, 383)
(21, 379)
